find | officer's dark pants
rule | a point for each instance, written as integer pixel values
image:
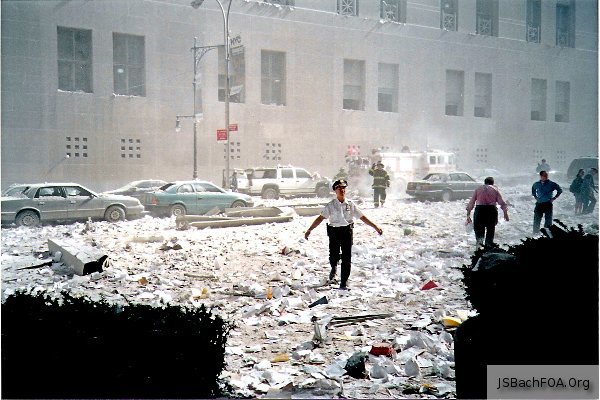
(484, 223)
(589, 202)
(540, 209)
(378, 194)
(340, 238)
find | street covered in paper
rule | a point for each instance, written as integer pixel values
(263, 278)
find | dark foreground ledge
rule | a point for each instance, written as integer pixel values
(76, 348)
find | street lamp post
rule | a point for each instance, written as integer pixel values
(196, 4)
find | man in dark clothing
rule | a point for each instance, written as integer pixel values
(341, 213)
(587, 191)
(542, 191)
(381, 181)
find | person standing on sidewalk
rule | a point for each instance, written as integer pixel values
(381, 181)
(543, 191)
(341, 213)
(485, 217)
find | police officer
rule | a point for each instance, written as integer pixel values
(381, 181)
(341, 213)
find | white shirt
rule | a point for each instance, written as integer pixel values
(341, 214)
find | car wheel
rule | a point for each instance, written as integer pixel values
(322, 191)
(446, 195)
(238, 204)
(28, 218)
(270, 193)
(178, 210)
(114, 214)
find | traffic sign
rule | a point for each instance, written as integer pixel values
(233, 127)
(221, 135)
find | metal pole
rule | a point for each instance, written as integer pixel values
(195, 174)
(226, 37)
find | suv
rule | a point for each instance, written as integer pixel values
(271, 182)
(582, 162)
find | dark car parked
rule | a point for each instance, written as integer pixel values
(443, 186)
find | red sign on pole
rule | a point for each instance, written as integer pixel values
(221, 135)
(233, 127)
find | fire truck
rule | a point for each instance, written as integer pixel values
(402, 167)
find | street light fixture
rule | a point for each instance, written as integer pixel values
(196, 4)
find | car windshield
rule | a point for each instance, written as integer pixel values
(434, 177)
(130, 185)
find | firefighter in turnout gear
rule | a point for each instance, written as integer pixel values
(381, 181)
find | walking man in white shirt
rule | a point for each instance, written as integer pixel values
(341, 213)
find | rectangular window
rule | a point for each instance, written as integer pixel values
(388, 88)
(74, 59)
(273, 77)
(534, 20)
(237, 75)
(393, 10)
(455, 86)
(483, 95)
(354, 85)
(565, 24)
(563, 101)
(449, 15)
(129, 60)
(487, 17)
(538, 99)
(347, 7)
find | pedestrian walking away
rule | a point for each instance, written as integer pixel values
(484, 199)
(543, 166)
(341, 213)
(543, 191)
(575, 188)
(588, 188)
(381, 181)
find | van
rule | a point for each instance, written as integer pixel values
(582, 162)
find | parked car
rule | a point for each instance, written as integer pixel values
(138, 189)
(42, 202)
(506, 179)
(443, 186)
(272, 182)
(193, 197)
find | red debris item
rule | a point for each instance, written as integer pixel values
(429, 285)
(381, 349)
(284, 250)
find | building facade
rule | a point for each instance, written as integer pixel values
(91, 89)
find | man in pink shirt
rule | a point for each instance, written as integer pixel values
(486, 213)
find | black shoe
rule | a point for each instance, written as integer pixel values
(343, 286)
(332, 273)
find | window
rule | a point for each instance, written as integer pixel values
(354, 85)
(273, 77)
(77, 191)
(347, 7)
(483, 95)
(455, 85)
(449, 15)
(563, 101)
(534, 20)
(487, 17)
(481, 155)
(50, 191)
(393, 10)
(302, 173)
(287, 173)
(565, 24)
(538, 99)
(388, 88)
(129, 61)
(237, 75)
(186, 188)
(206, 187)
(74, 59)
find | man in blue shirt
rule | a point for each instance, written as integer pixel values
(543, 191)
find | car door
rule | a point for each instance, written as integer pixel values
(304, 181)
(469, 183)
(209, 196)
(456, 185)
(286, 180)
(186, 195)
(82, 203)
(51, 202)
